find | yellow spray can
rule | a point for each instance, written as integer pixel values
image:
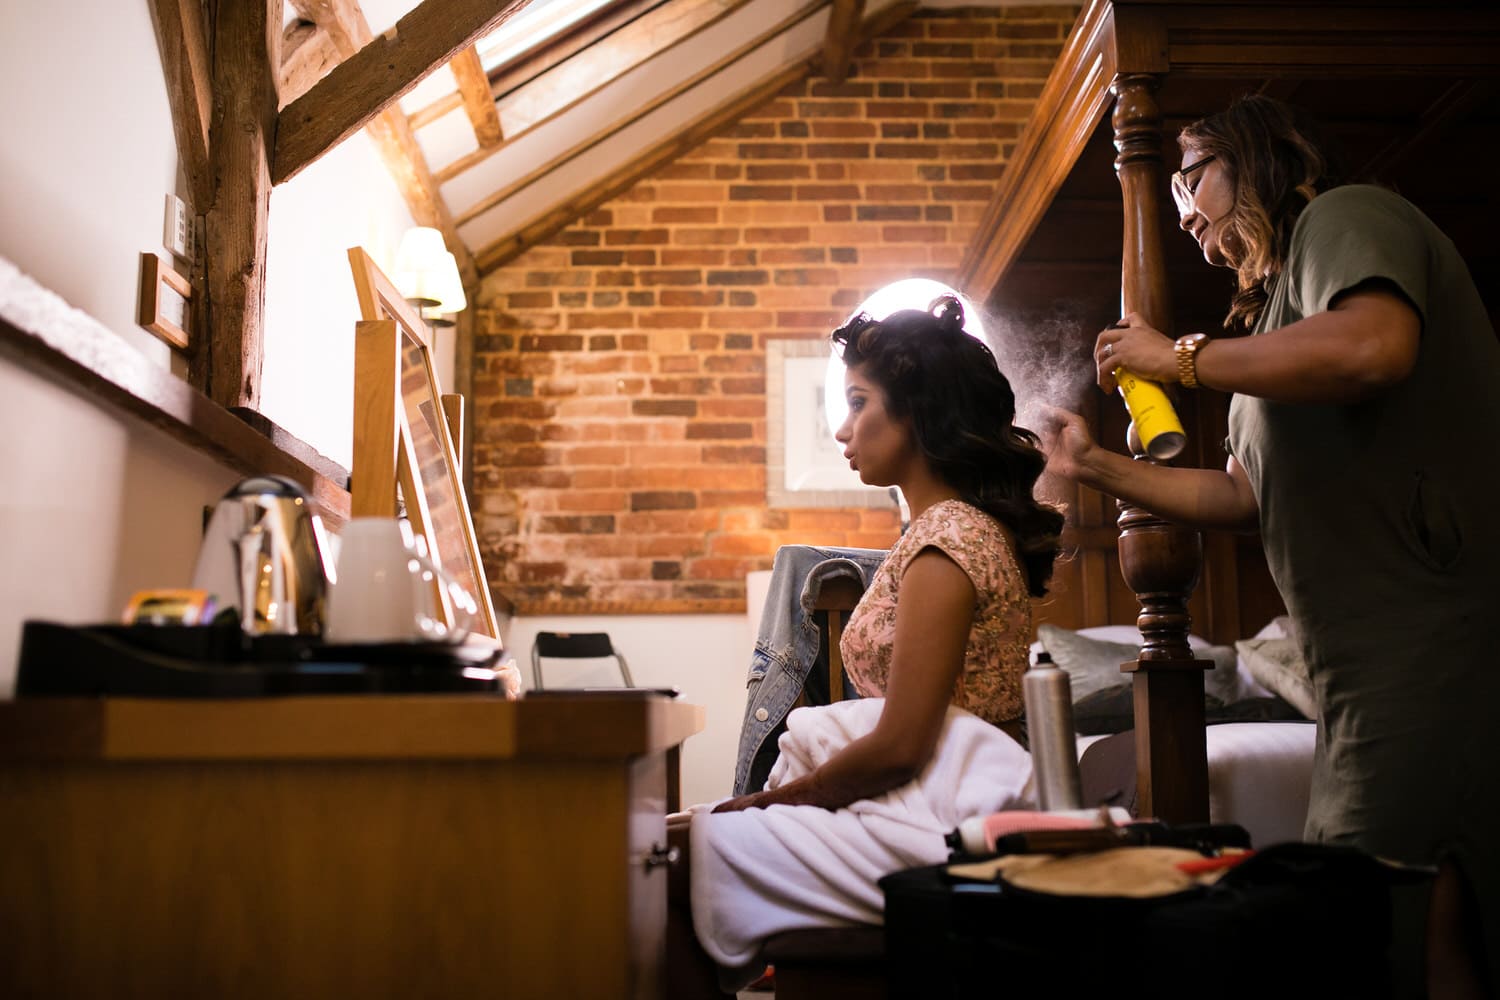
(1156, 421)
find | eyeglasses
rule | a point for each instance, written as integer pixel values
(1184, 195)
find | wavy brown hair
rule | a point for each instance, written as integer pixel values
(962, 411)
(1277, 164)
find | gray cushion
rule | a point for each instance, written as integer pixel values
(1093, 665)
(1278, 665)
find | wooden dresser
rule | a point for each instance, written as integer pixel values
(378, 846)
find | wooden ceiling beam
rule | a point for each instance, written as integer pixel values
(646, 41)
(308, 52)
(226, 365)
(503, 250)
(526, 66)
(345, 25)
(183, 41)
(638, 113)
(376, 76)
(478, 101)
(838, 46)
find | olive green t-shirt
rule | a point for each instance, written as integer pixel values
(1379, 521)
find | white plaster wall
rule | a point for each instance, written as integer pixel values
(706, 657)
(95, 504)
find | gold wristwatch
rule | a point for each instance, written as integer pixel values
(1187, 358)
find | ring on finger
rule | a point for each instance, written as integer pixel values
(1109, 349)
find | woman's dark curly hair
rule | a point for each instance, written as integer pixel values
(1278, 163)
(962, 412)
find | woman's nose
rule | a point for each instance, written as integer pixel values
(1185, 220)
(844, 433)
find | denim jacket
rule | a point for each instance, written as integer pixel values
(787, 644)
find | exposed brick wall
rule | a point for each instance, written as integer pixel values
(619, 379)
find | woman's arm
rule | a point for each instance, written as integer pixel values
(1365, 341)
(1198, 498)
(933, 616)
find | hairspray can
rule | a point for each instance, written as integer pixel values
(1049, 729)
(1155, 420)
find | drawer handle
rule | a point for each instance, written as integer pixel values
(660, 855)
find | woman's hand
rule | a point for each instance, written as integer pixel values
(1065, 440)
(754, 800)
(1135, 345)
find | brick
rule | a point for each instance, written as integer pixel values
(793, 255)
(907, 150)
(664, 570)
(738, 277)
(833, 129)
(742, 300)
(597, 524)
(706, 237)
(664, 407)
(676, 257)
(675, 214)
(840, 150)
(598, 258)
(827, 192)
(529, 300)
(551, 342)
(634, 237)
(695, 297)
(770, 150)
(663, 500)
(887, 213)
(679, 276)
(705, 431)
(762, 172)
(760, 192)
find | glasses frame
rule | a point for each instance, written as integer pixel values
(1186, 197)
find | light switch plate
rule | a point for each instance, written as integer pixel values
(179, 232)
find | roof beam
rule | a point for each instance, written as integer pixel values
(479, 102)
(183, 42)
(526, 66)
(553, 220)
(838, 46)
(308, 52)
(589, 72)
(345, 25)
(376, 76)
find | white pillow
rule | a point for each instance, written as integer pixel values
(1248, 686)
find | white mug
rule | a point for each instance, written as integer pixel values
(387, 588)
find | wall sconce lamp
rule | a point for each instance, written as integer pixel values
(427, 276)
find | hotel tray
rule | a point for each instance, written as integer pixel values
(220, 661)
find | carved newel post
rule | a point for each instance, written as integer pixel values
(1160, 561)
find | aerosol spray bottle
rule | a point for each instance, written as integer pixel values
(1156, 422)
(1049, 730)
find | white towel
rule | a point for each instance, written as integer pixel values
(758, 872)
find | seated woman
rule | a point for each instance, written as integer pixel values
(937, 648)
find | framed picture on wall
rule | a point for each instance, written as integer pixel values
(165, 307)
(805, 466)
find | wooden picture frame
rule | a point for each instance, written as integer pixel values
(805, 467)
(403, 435)
(165, 306)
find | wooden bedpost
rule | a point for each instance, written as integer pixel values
(1160, 561)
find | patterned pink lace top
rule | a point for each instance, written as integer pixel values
(997, 654)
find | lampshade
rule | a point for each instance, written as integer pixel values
(427, 273)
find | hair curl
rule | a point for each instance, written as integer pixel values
(962, 411)
(1277, 164)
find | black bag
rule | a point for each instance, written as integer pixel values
(1293, 920)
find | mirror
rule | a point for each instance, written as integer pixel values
(402, 436)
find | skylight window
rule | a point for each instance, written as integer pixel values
(538, 24)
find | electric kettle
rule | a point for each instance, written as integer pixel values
(264, 553)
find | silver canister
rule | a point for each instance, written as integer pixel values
(1049, 729)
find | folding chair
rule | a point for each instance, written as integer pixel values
(576, 646)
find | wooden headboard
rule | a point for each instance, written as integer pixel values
(1082, 229)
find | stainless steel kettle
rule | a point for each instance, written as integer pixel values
(264, 554)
